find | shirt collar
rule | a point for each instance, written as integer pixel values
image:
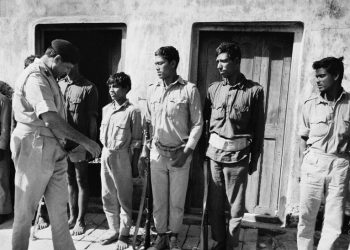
(46, 68)
(178, 80)
(320, 98)
(116, 108)
(241, 80)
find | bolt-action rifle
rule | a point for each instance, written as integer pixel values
(204, 223)
(146, 200)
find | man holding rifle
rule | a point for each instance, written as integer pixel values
(235, 107)
(175, 115)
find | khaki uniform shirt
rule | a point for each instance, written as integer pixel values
(121, 126)
(327, 126)
(235, 112)
(37, 92)
(175, 113)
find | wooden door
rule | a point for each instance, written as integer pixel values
(266, 59)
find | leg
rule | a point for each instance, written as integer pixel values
(311, 192)
(178, 182)
(32, 176)
(236, 176)
(110, 202)
(123, 181)
(44, 216)
(216, 203)
(56, 197)
(81, 171)
(336, 188)
(72, 194)
(5, 197)
(160, 191)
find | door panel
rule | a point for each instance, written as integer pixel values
(266, 59)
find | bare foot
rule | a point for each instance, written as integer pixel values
(79, 228)
(42, 223)
(109, 238)
(71, 222)
(122, 242)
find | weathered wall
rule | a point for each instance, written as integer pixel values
(151, 24)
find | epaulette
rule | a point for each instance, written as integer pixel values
(311, 97)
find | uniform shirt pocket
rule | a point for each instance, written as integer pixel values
(240, 114)
(177, 108)
(218, 112)
(318, 125)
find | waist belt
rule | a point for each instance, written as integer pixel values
(39, 130)
(227, 144)
(169, 152)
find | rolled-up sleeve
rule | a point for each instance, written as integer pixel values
(304, 128)
(39, 94)
(136, 129)
(196, 117)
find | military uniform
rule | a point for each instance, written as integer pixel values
(175, 114)
(120, 134)
(236, 114)
(39, 159)
(324, 171)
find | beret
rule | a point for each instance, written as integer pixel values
(66, 50)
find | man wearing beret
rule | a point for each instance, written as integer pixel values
(37, 145)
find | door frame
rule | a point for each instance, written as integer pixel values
(288, 150)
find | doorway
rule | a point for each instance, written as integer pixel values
(101, 54)
(266, 59)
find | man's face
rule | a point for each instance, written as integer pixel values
(164, 67)
(325, 81)
(59, 68)
(226, 66)
(116, 92)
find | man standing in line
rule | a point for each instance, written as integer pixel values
(175, 116)
(324, 151)
(37, 145)
(81, 99)
(235, 107)
(5, 130)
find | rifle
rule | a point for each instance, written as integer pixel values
(146, 202)
(204, 222)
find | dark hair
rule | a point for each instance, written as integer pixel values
(29, 60)
(232, 49)
(6, 90)
(169, 53)
(121, 80)
(334, 66)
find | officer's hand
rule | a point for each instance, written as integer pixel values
(92, 147)
(181, 157)
(2, 154)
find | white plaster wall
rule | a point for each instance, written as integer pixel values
(154, 23)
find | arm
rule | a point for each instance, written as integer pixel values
(136, 140)
(92, 109)
(196, 117)
(258, 130)
(5, 121)
(304, 131)
(53, 121)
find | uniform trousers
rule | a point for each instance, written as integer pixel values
(227, 187)
(41, 169)
(117, 188)
(169, 186)
(5, 194)
(322, 176)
